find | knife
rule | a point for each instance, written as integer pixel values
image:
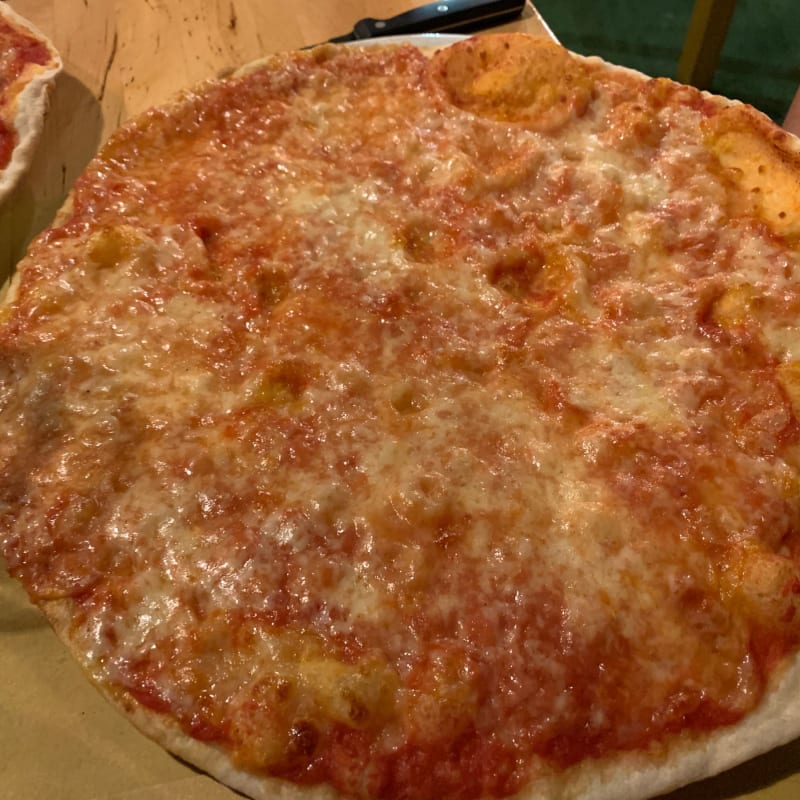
(449, 16)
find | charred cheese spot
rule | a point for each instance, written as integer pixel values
(766, 584)
(408, 398)
(514, 78)
(735, 307)
(423, 241)
(282, 384)
(563, 283)
(271, 285)
(356, 696)
(112, 246)
(303, 739)
(515, 271)
(633, 126)
(261, 740)
(206, 227)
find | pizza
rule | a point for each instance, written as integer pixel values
(29, 65)
(379, 423)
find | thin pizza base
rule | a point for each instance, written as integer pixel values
(29, 106)
(626, 776)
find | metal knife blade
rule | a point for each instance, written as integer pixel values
(445, 16)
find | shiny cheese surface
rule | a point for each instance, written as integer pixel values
(411, 449)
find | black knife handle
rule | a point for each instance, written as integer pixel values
(447, 15)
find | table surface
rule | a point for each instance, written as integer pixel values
(122, 56)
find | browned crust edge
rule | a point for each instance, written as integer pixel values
(624, 776)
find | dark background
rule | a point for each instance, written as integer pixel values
(760, 61)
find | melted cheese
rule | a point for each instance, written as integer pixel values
(348, 418)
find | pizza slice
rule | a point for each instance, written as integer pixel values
(29, 65)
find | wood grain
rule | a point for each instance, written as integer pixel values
(123, 56)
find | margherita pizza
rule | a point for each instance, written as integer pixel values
(377, 425)
(28, 66)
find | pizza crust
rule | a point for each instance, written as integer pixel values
(625, 776)
(692, 758)
(764, 161)
(29, 106)
(512, 78)
(166, 732)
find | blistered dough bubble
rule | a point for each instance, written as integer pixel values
(515, 78)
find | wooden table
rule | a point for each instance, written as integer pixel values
(122, 56)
